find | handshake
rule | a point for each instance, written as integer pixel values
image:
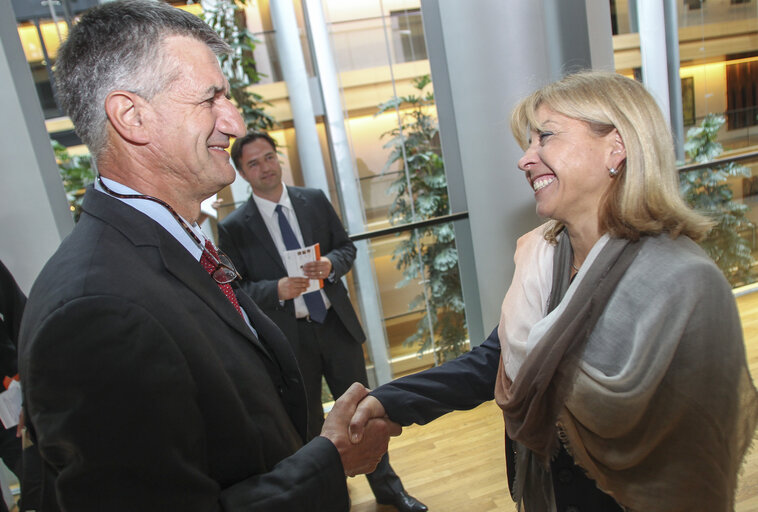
(359, 429)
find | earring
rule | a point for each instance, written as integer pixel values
(613, 172)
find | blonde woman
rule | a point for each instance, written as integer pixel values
(618, 360)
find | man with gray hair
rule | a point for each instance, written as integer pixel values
(151, 383)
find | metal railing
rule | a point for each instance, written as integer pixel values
(719, 161)
(409, 226)
(753, 155)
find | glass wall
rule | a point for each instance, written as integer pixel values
(380, 52)
(719, 82)
(717, 53)
(378, 49)
(42, 26)
(40, 39)
(728, 193)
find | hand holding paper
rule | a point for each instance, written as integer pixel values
(296, 259)
(319, 269)
(10, 404)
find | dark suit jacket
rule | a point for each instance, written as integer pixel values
(244, 237)
(148, 392)
(12, 301)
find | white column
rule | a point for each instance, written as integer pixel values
(675, 81)
(34, 213)
(299, 91)
(347, 182)
(600, 33)
(653, 51)
(484, 60)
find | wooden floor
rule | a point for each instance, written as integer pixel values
(457, 463)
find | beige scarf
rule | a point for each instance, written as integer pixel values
(654, 400)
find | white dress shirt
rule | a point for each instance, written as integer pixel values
(270, 217)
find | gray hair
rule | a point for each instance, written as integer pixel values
(118, 46)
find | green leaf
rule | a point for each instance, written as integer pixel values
(708, 191)
(420, 192)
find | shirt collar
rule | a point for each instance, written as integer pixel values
(267, 208)
(159, 214)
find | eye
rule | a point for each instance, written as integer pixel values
(543, 136)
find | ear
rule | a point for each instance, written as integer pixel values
(618, 150)
(125, 111)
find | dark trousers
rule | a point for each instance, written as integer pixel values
(330, 351)
(26, 464)
(31, 480)
(572, 488)
(10, 452)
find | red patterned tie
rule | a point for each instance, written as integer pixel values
(209, 264)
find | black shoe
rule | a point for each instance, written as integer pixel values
(404, 502)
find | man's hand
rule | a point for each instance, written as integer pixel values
(291, 287)
(368, 409)
(318, 269)
(362, 457)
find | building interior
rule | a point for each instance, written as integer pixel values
(356, 57)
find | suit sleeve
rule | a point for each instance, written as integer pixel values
(341, 250)
(264, 292)
(460, 384)
(137, 442)
(275, 491)
(12, 301)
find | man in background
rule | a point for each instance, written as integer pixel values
(151, 383)
(22, 464)
(321, 325)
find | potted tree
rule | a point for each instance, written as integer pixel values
(429, 253)
(706, 189)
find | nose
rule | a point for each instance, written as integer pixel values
(230, 121)
(270, 163)
(530, 157)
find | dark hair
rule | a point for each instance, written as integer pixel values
(118, 46)
(240, 143)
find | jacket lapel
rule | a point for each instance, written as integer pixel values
(255, 223)
(273, 339)
(303, 212)
(194, 276)
(141, 230)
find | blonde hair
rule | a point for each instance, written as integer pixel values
(644, 199)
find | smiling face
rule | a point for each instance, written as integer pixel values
(192, 121)
(567, 164)
(259, 166)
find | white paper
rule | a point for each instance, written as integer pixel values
(294, 260)
(10, 404)
(207, 208)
